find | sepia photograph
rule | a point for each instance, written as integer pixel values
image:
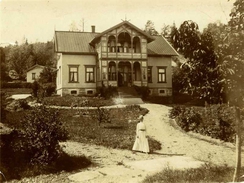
(121, 91)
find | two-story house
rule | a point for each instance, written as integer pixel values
(122, 55)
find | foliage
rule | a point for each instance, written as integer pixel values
(199, 74)
(150, 28)
(189, 120)
(176, 111)
(76, 101)
(16, 85)
(107, 92)
(35, 88)
(3, 106)
(19, 58)
(118, 134)
(14, 164)
(102, 115)
(216, 121)
(143, 91)
(47, 75)
(41, 133)
(206, 173)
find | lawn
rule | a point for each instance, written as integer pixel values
(83, 127)
(119, 133)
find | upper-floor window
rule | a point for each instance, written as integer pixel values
(162, 74)
(33, 76)
(73, 73)
(90, 76)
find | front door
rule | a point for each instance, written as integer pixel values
(124, 74)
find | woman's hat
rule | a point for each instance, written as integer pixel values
(140, 117)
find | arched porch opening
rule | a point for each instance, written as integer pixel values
(124, 74)
(124, 43)
(137, 71)
(112, 71)
(111, 44)
(136, 45)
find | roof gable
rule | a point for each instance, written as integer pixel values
(35, 66)
(97, 38)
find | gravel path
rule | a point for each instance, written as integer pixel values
(160, 127)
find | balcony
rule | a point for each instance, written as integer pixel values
(124, 55)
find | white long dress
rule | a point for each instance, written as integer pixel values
(141, 142)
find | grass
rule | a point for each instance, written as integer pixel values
(120, 133)
(19, 169)
(206, 173)
(77, 101)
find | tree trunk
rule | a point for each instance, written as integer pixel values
(238, 146)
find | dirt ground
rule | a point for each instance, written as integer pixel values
(174, 142)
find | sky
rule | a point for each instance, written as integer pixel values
(36, 20)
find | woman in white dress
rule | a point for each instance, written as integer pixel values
(141, 142)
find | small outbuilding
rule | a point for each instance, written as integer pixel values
(33, 73)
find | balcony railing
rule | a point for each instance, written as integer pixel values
(124, 55)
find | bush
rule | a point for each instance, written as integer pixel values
(189, 120)
(35, 88)
(41, 135)
(48, 89)
(216, 121)
(176, 111)
(143, 91)
(107, 92)
(16, 85)
(3, 106)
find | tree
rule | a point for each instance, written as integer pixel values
(47, 80)
(4, 76)
(235, 42)
(150, 28)
(199, 73)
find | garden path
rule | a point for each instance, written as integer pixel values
(179, 150)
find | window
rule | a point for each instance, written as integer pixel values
(89, 92)
(73, 92)
(162, 74)
(149, 74)
(90, 74)
(73, 73)
(33, 76)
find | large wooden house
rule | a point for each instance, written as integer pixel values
(121, 56)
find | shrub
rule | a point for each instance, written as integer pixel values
(16, 85)
(176, 111)
(41, 135)
(3, 106)
(102, 115)
(189, 120)
(107, 92)
(35, 88)
(143, 91)
(48, 89)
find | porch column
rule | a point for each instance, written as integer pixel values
(117, 75)
(132, 75)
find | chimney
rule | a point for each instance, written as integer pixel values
(93, 28)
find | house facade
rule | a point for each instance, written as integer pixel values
(121, 56)
(33, 73)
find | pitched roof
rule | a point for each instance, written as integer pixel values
(79, 42)
(160, 46)
(34, 66)
(75, 42)
(149, 37)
